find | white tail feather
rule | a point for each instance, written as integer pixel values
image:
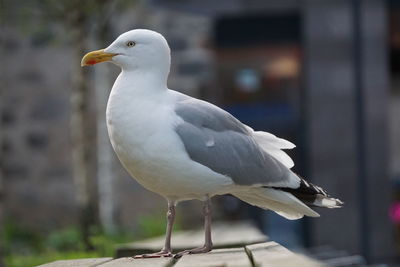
(273, 140)
(273, 145)
(283, 203)
(327, 202)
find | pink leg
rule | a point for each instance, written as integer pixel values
(166, 251)
(207, 228)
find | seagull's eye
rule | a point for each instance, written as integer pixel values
(130, 44)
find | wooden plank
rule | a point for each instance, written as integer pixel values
(131, 262)
(225, 235)
(264, 254)
(218, 257)
(77, 263)
(273, 254)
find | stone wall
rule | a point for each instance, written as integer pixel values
(35, 107)
(39, 188)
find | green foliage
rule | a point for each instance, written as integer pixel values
(19, 239)
(153, 225)
(26, 247)
(62, 244)
(104, 244)
(69, 239)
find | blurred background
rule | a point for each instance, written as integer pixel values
(322, 74)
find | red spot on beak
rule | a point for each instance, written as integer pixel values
(91, 62)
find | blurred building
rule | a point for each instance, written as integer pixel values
(314, 72)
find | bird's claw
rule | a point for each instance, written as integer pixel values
(199, 250)
(160, 254)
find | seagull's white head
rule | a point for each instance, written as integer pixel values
(134, 50)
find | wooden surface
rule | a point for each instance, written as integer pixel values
(263, 254)
(130, 262)
(273, 254)
(231, 248)
(218, 257)
(225, 235)
(78, 263)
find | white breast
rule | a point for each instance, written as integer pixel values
(141, 130)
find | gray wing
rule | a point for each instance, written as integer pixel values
(216, 139)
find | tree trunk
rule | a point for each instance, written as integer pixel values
(1, 185)
(1, 206)
(80, 127)
(104, 151)
(105, 157)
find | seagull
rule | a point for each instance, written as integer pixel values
(183, 148)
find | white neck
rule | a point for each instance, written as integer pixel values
(135, 95)
(138, 82)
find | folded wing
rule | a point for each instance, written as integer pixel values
(216, 139)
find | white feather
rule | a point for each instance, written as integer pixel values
(327, 202)
(140, 122)
(273, 140)
(273, 145)
(283, 203)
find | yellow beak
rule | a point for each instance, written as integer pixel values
(95, 57)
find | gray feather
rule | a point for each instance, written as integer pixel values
(203, 114)
(214, 138)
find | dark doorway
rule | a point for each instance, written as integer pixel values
(259, 64)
